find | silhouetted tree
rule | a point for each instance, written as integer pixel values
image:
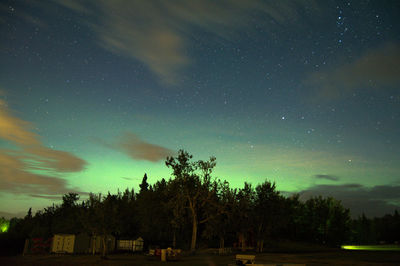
(244, 214)
(100, 217)
(363, 231)
(29, 214)
(154, 213)
(127, 214)
(194, 187)
(221, 224)
(293, 219)
(69, 200)
(144, 185)
(267, 208)
(64, 218)
(327, 221)
(193, 204)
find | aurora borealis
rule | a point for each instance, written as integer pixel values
(93, 94)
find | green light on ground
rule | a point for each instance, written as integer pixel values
(373, 247)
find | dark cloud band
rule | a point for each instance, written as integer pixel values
(373, 202)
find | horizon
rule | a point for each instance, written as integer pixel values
(82, 198)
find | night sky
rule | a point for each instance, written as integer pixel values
(93, 94)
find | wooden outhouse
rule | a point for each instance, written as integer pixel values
(68, 243)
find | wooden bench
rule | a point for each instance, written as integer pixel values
(242, 259)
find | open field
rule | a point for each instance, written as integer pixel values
(321, 258)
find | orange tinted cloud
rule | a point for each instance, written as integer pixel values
(137, 148)
(31, 167)
(141, 150)
(14, 129)
(59, 161)
(16, 179)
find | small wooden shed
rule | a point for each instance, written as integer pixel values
(69, 243)
(138, 244)
(130, 244)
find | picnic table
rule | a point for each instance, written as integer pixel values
(243, 259)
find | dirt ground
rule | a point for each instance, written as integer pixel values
(322, 258)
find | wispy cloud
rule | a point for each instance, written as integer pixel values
(50, 197)
(375, 69)
(327, 177)
(30, 167)
(59, 161)
(137, 148)
(373, 201)
(14, 129)
(158, 33)
(141, 150)
(129, 178)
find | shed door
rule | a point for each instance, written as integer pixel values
(69, 244)
(58, 243)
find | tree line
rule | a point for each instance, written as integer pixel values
(385, 229)
(192, 209)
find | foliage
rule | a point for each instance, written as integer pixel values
(326, 220)
(194, 190)
(384, 229)
(192, 207)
